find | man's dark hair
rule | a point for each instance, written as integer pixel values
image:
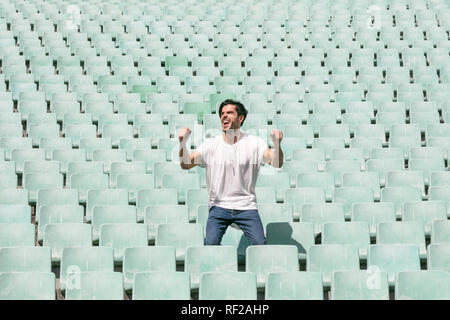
(240, 109)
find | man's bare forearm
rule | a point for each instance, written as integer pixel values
(185, 157)
(277, 156)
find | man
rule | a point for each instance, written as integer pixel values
(232, 161)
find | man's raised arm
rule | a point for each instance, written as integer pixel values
(187, 160)
(275, 156)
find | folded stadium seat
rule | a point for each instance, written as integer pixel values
(293, 168)
(97, 285)
(339, 167)
(359, 285)
(353, 119)
(439, 193)
(422, 285)
(209, 259)
(25, 260)
(98, 108)
(227, 286)
(58, 213)
(123, 167)
(198, 197)
(57, 236)
(323, 180)
(439, 231)
(320, 213)
(116, 132)
(43, 130)
(350, 195)
(148, 156)
(50, 144)
(159, 214)
(258, 257)
(65, 156)
(83, 182)
(10, 143)
(150, 196)
(18, 88)
(407, 178)
(279, 180)
(104, 196)
(83, 259)
(93, 144)
(427, 166)
(363, 179)
(181, 236)
(171, 285)
(348, 233)
(120, 236)
(114, 213)
(274, 212)
(11, 130)
(437, 256)
(40, 166)
(384, 162)
(152, 132)
(111, 119)
(28, 286)
(425, 212)
(439, 179)
(20, 156)
(15, 213)
(329, 258)
(108, 156)
(79, 131)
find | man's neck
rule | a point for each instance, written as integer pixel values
(232, 136)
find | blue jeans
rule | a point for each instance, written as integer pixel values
(220, 218)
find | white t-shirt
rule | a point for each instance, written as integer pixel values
(232, 170)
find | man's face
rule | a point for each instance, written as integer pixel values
(229, 118)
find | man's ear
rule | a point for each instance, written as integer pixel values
(241, 118)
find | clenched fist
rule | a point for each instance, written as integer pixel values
(184, 134)
(276, 136)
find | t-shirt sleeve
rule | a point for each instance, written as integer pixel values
(203, 150)
(262, 147)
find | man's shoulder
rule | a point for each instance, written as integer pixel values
(253, 139)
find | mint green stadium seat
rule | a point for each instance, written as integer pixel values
(227, 286)
(7, 167)
(370, 131)
(77, 167)
(349, 155)
(439, 179)
(438, 256)
(209, 259)
(158, 214)
(293, 168)
(11, 130)
(97, 285)
(195, 198)
(406, 178)
(339, 167)
(58, 213)
(181, 182)
(301, 132)
(83, 259)
(98, 108)
(324, 180)
(266, 195)
(351, 233)
(28, 286)
(179, 235)
(55, 197)
(61, 235)
(40, 166)
(161, 285)
(363, 179)
(25, 259)
(427, 166)
(153, 133)
(116, 132)
(274, 212)
(294, 286)
(439, 231)
(104, 196)
(108, 156)
(111, 213)
(328, 144)
(329, 258)
(11, 143)
(133, 182)
(424, 211)
(359, 285)
(301, 195)
(27, 107)
(279, 180)
(162, 168)
(384, 165)
(320, 213)
(393, 258)
(8, 180)
(117, 168)
(83, 182)
(150, 196)
(92, 144)
(34, 182)
(38, 131)
(79, 131)
(260, 260)
(76, 119)
(17, 234)
(406, 232)
(50, 144)
(132, 144)
(110, 119)
(120, 236)
(140, 260)
(399, 195)
(19, 156)
(422, 285)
